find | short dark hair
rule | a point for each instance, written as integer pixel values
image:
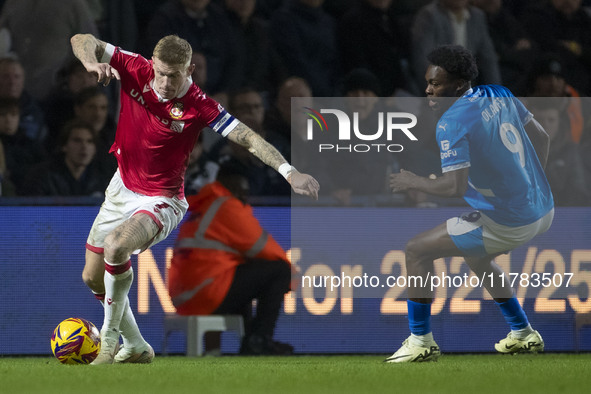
(456, 60)
(361, 79)
(88, 93)
(70, 126)
(239, 92)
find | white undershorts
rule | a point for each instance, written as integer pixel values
(476, 234)
(121, 204)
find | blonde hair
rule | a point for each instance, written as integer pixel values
(173, 50)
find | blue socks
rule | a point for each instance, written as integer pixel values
(419, 318)
(514, 314)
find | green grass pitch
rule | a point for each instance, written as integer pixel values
(527, 373)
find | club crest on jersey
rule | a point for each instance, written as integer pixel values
(176, 112)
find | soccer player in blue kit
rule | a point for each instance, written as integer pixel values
(493, 153)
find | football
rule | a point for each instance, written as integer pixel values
(75, 341)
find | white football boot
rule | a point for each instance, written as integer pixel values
(143, 354)
(109, 347)
(410, 353)
(533, 343)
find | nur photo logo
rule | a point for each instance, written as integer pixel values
(350, 138)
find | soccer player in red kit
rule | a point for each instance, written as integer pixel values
(162, 113)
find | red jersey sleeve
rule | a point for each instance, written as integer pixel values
(128, 64)
(213, 114)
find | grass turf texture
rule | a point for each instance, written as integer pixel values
(544, 373)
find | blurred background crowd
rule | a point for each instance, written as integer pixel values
(253, 56)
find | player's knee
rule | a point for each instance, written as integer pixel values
(413, 251)
(116, 251)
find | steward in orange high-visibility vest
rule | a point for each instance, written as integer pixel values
(223, 259)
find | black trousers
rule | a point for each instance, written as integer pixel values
(267, 282)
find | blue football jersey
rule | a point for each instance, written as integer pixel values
(484, 130)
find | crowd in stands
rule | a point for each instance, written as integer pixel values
(253, 56)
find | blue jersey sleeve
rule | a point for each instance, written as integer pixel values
(452, 139)
(524, 115)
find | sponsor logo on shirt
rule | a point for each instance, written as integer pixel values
(445, 151)
(177, 126)
(476, 96)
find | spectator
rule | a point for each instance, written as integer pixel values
(72, 170)
(511, 40)
(12, 85)
(91, 106)
(547, 80)
(564, 169)
(279, 121)
(247, 105)
(453, 22)
(201, 169)
(116, 21)
(59, 106)
(40, 31)
(144, 12)
(245, 264)
(278, 118)
(199, 75)
(20, 152)
(304, 36)
(564, 28)
(361, 174)
(259, 63)
(205, 26)
(371, 37)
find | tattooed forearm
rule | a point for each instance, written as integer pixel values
(266, 152)
(87, 48)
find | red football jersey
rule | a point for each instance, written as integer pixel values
(155, 136)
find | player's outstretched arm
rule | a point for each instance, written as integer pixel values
(450, 184)
(539, 139)
(89, 50)
(300, 183)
